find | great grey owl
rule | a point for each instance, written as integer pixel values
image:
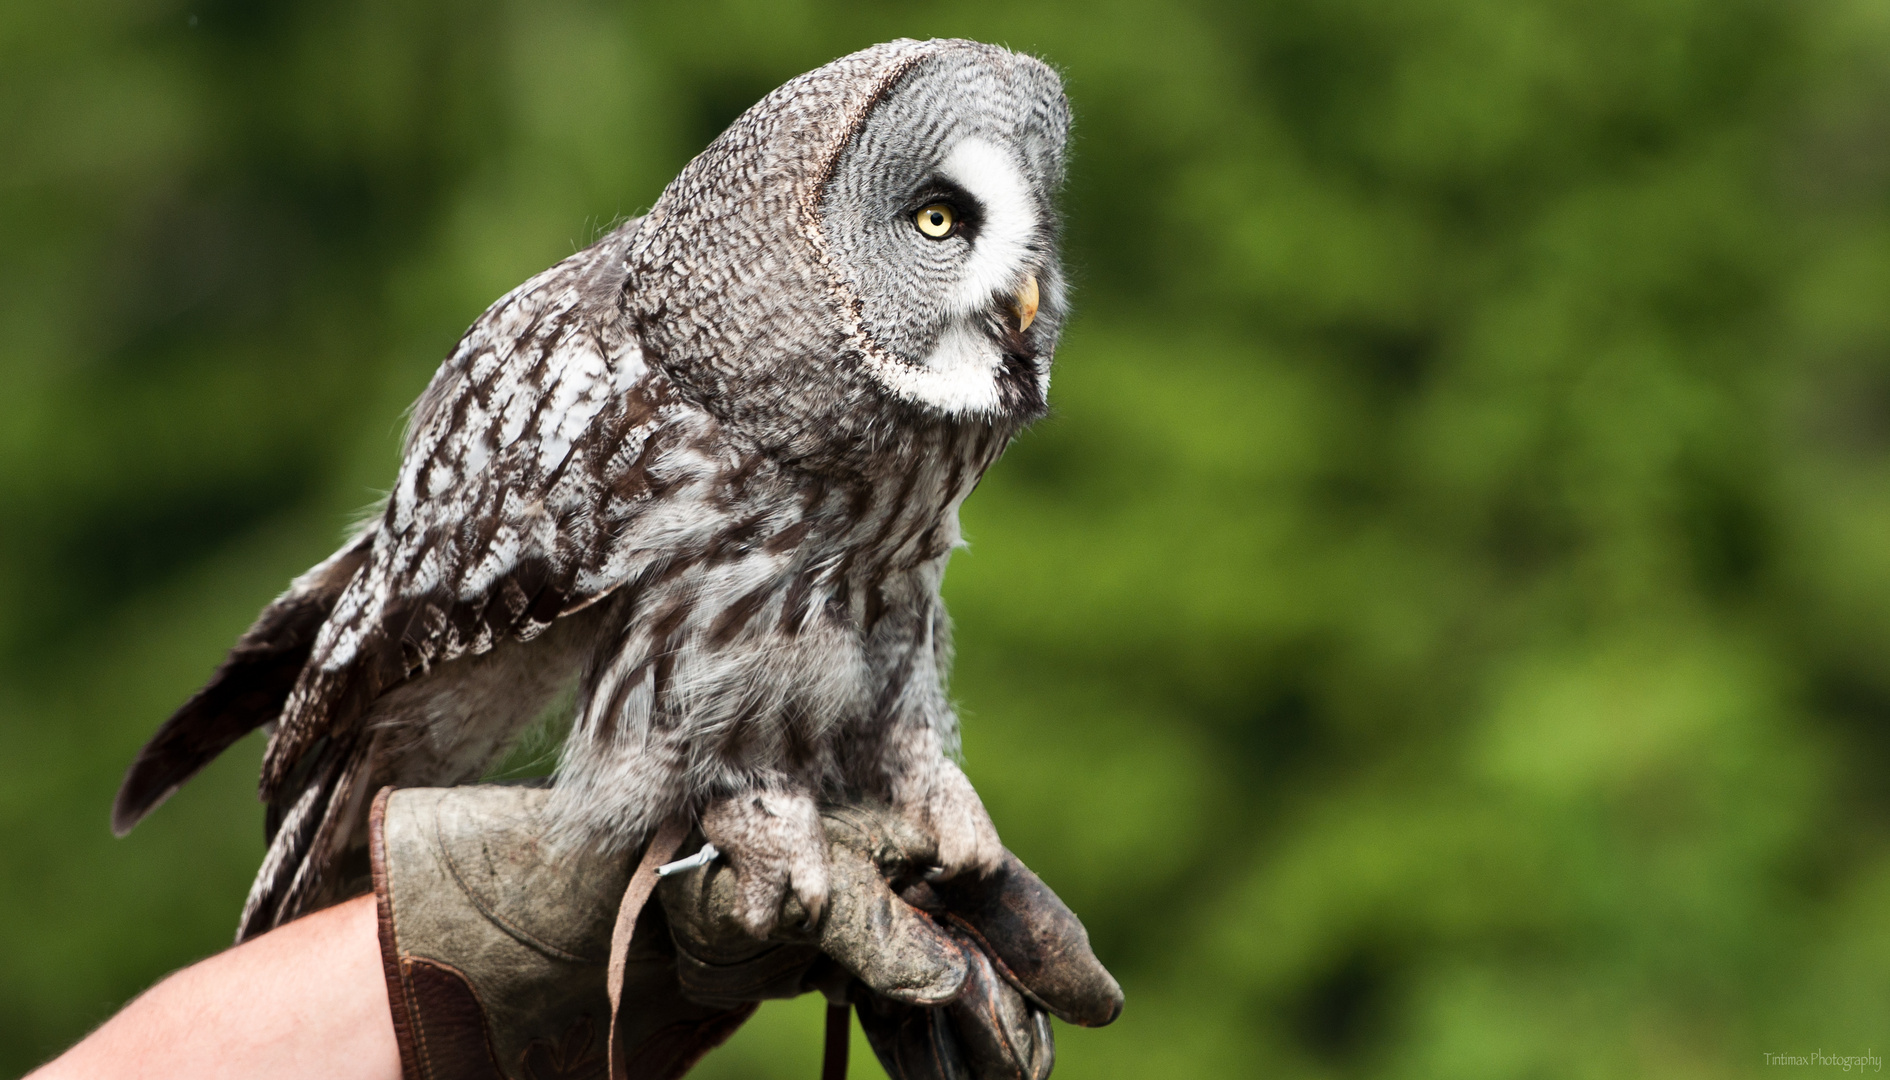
(708, 470)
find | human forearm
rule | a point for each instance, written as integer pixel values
(306, 1000)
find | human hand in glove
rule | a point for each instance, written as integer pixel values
(496, 948)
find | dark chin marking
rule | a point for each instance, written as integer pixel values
(1020, 391)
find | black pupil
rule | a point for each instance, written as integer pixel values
(937, 218)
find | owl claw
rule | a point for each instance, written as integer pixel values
(775, 845)
(954, 816)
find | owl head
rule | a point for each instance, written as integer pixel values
(873, 243)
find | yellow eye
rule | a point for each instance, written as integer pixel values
(936, 220)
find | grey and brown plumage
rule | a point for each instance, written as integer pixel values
(709, 469)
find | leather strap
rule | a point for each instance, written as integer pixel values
(661, 849)
(833, 1060)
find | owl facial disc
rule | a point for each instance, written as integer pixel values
(940, 215)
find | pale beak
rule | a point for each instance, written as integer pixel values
(1024, 302)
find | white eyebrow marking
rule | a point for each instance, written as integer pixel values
(1001, 252)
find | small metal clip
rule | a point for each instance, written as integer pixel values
(707, 855)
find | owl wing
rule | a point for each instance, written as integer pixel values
(246, 691)
(546, 465)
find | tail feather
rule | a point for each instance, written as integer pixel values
(303, 869)
(247, 690)
(281, 862)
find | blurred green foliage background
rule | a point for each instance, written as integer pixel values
(1442, 630)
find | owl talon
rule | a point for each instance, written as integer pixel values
(774, 844)
(954, 816)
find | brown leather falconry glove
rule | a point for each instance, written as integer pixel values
(496, 950)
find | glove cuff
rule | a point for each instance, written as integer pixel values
(495, 950)
(438, 1023)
